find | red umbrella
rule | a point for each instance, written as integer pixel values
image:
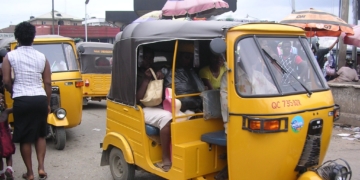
(318, 23)
(353, 40)
(184, 7)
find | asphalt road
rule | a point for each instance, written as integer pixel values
(81, 157)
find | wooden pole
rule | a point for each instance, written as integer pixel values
(344, 15)
(355, 16)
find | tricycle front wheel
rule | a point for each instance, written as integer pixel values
(120, 169)
(59, 137)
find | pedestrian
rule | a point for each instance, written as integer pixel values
(6, 144)
(31, 102)
(346, 73)
(320, 53)
(3, 53)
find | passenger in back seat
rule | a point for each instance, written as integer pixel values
(186, 79)
(211, 75)
(155, 116)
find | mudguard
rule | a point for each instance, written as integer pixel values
(309, 175)
(53, 120)
(118, 141)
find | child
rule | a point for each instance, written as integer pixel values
(5, 134)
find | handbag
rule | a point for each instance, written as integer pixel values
(153, 94)
(329, 71)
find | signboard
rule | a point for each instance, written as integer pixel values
(6, 35)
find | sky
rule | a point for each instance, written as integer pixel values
(20, 10)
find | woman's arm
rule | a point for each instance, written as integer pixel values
(204, 75)
(6, 71)
(46, 76)
(207, 84)
(5, 114)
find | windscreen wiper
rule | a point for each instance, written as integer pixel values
(284, 71)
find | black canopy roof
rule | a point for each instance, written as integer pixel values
(123, 84)
(178, 29)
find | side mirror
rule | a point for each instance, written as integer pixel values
(218, 46)
(3, 52)
(81, 49)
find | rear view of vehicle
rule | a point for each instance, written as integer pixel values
(95, 63)
(66, 97)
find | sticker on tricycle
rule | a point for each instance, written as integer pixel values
(285, 103)
(297, 123)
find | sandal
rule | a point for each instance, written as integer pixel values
(42, 176)
(164, 167)
(25, 176)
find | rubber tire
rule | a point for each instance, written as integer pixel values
(117, 158)
(59, 138)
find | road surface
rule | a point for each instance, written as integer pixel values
(81, 157)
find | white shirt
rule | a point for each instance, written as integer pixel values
(28, 65)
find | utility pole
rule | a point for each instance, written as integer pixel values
(292, 6)
(355, 16)
(344, 15)
(86, 2)
(53, 19)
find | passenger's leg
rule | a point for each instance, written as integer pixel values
(165, 138)
(162, 119)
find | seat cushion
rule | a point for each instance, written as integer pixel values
(217, 138)
(151, 130)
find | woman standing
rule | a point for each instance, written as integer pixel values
(31, 102)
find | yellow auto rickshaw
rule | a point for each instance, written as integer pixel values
(279, 115)
(95, 64)
(66, 97)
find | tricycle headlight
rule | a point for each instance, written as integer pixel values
(336, 112)
(60, 113)
(332, 170)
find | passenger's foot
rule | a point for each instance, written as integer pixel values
(42, 175)
(9, 174)
(28, 177)
(163, 166)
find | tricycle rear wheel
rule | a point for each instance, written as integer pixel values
(59, 137)
(120, 169)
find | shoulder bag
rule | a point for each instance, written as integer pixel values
(153, 94)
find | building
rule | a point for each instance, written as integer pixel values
(59, 18)
(93, 21)
(98, 30)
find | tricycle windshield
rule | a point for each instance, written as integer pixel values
(94, 63)
(61, 57)
(271, 66)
